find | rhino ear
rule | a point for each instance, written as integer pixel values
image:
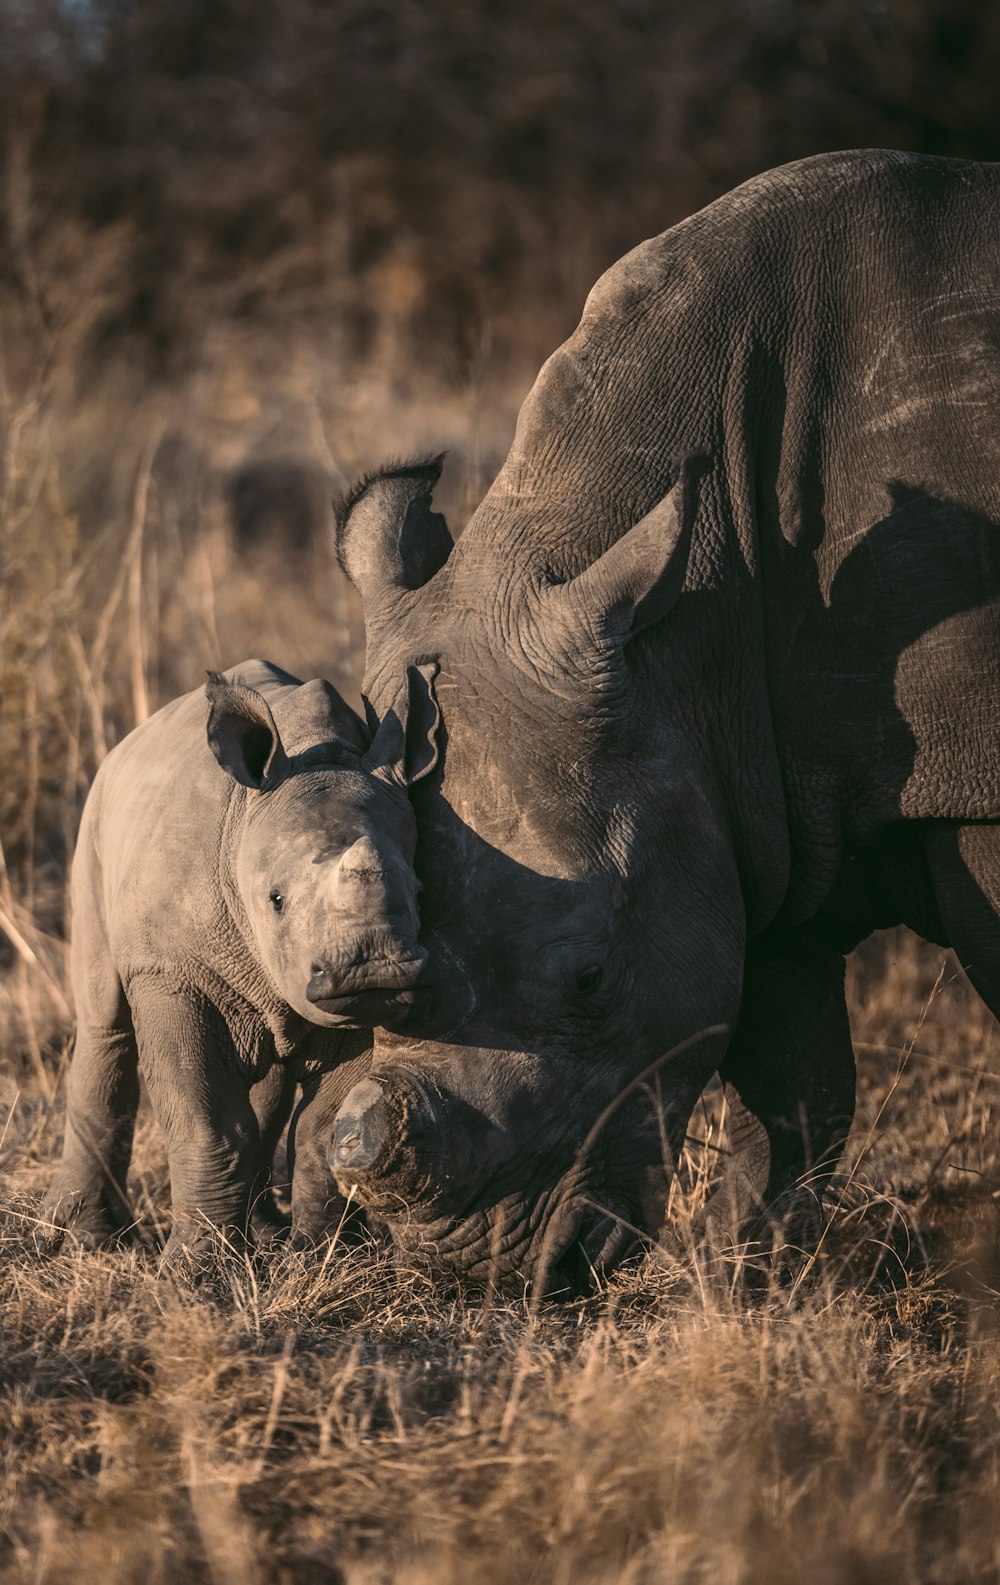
(638, 580)
(328, 716)
(405, 745)
(241, 732)
(388, 538)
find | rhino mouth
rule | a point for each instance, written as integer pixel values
(368, 994)
(587, 1255)
(604, 1240)
(363, 1008)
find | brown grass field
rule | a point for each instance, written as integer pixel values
(329, 1418)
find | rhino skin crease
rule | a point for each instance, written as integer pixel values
(718, 673)
(244, 910)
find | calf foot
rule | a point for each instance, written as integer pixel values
(88, 1220)
(197, 1251)
(325, 1219)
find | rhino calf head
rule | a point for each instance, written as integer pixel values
(318, 858)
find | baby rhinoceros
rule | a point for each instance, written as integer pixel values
(244, 903)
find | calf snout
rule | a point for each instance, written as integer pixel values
(368, 991)
(329, 980)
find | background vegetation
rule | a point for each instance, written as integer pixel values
(246, 250)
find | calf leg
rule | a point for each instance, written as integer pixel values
(791, 1063)
(87, 1195)
(318, 1209)
(201, 1100)
(272, 1098)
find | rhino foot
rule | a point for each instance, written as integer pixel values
(197, 1252)
(69, 1216)
(779, 1242)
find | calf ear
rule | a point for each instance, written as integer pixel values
(638, 580)
(388, 538)
(241, 732)
(405, 746)
(327, 717)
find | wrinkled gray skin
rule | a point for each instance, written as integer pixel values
(244, 910)
(706, 723)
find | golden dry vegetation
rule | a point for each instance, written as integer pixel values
(246, 251)
(328, 1417)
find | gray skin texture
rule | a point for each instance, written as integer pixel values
(244, 910)
(719, 678)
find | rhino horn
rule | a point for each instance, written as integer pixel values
(634, 583)
(389, 1138)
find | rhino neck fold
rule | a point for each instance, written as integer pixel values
(248, 981)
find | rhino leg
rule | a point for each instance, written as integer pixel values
(272, 1098)
(202, 1103)
(318, 1209)
(87, 1195)
(791, 1063)
(964, 862)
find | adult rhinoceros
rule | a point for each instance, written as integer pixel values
(718, 669)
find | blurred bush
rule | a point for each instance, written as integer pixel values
(470, 163)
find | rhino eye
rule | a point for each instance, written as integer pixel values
(277, 899)
(589, 980)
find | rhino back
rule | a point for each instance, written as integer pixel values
(829, 334)
(150, 839)
(854, 289)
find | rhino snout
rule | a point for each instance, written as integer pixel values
(368, 992)
(385, 1136)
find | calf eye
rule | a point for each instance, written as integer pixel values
(589, 980)
(277, 899)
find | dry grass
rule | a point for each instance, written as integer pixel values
(338, 1420)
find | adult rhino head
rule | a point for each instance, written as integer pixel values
(586, 878)
(672, 717)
